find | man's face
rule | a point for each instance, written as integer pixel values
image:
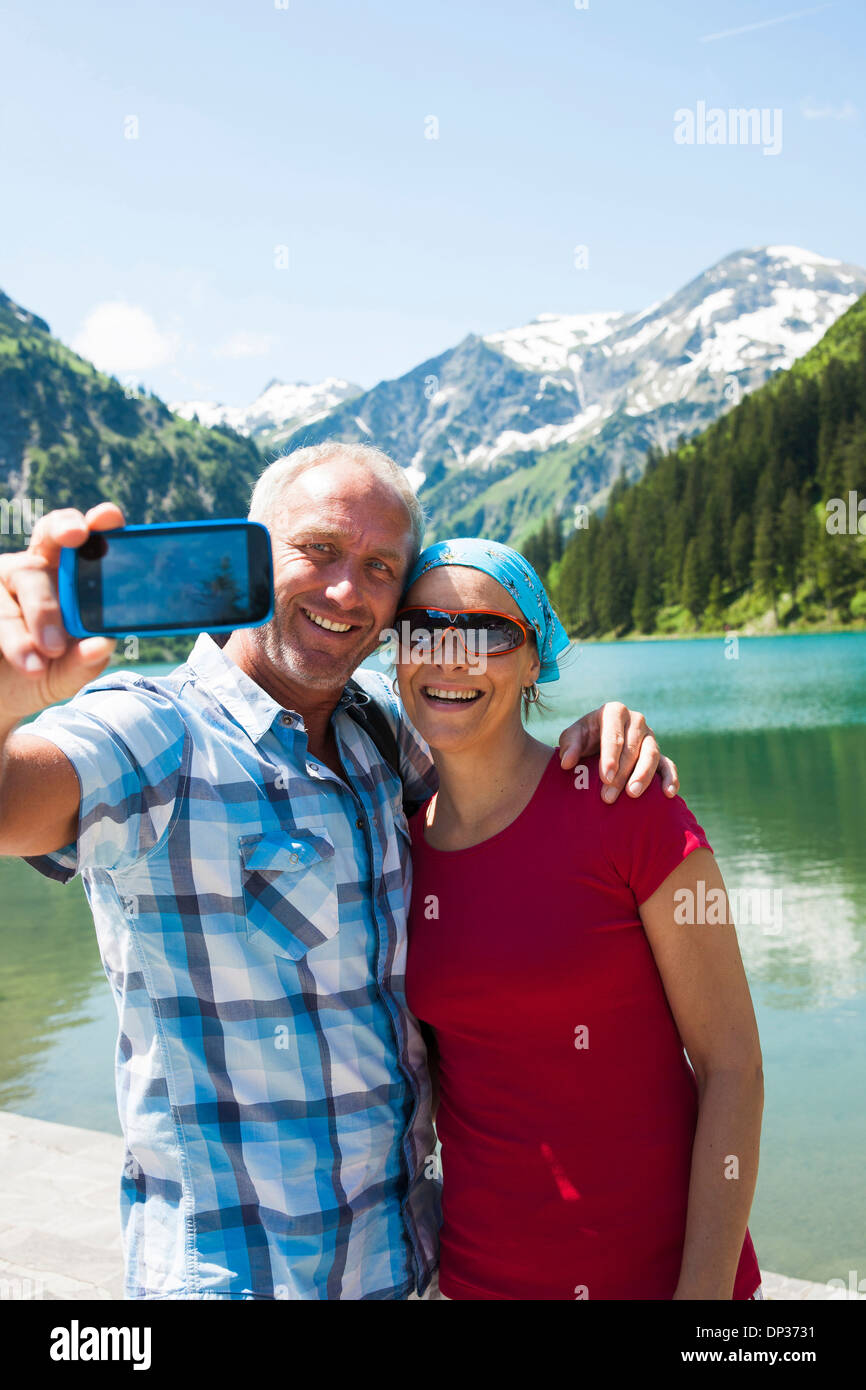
(342, 541)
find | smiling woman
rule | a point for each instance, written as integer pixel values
(560, 998)
(468, 620)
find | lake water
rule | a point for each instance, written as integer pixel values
(771, 747)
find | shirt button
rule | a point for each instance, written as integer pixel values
(285, 719)
(360, 822)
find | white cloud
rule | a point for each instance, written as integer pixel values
(246, 344)
(813, 112)
(119, 337)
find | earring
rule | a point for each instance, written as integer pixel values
(532, 693)
(394, 687)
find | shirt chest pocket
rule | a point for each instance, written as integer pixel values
(290, 890)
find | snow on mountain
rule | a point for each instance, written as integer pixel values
(723, 334)
(796, 255)
(281, 408)
(546, 344)
(498, 429)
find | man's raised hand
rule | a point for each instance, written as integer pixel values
(39, 662)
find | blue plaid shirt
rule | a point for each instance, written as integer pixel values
(251, 911)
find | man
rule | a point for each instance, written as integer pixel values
(245, 854)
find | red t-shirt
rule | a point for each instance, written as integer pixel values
(567, 1105)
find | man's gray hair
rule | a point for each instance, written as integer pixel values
(273, 482)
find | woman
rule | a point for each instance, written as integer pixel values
(557, 959)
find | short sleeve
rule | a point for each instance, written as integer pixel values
(645, 839)
(127, 743)
(417, 772)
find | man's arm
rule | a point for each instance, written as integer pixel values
(627, 747)
(40, 664)
(39, 796)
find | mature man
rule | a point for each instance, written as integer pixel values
(244, 851)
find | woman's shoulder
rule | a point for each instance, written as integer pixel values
(579, 793)
(561, 784)
(570, 798)
(587, 776)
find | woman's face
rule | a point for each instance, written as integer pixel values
(494, 686)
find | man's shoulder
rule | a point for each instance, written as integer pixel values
(378, 689)
(122, 700)
(416, 764)
(133, 686)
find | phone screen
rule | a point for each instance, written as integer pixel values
(192, 579)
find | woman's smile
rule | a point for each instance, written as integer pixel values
(444, 696)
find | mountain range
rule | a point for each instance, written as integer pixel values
(756, 523)
(498, 433)
(274, 415)
(502, 428)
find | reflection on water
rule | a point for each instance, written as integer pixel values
(784, 810)
(49, 974)
(772, 756)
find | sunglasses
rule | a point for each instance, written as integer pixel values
(482, 631)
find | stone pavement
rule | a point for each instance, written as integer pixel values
(59, 1214)
(60, 1227)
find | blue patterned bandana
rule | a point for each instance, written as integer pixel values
(516, 575)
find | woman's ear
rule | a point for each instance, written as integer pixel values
(535, 664)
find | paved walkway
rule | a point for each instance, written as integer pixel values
(59, 1224)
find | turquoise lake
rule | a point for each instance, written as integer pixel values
(770, 740)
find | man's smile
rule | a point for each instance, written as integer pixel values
(328, 624)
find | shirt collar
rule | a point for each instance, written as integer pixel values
(251, 706)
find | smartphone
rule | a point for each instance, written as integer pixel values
(161, 580)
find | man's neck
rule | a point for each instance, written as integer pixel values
(315, 706)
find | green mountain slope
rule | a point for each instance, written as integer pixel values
(71, 436)
(524, 487)
(736, 526)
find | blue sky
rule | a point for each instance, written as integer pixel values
(306, 127)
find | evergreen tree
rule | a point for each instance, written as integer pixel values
(790, 538)
(742, 543)
(645, 606)
(713, 611)
(556, 545)
(764, 558)
(695, 587)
